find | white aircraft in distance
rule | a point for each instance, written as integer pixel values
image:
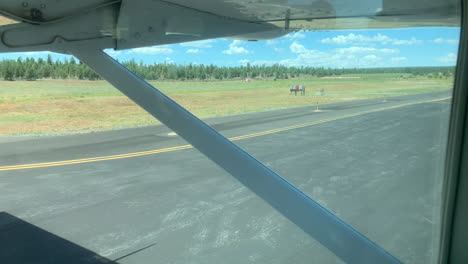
(85, 28)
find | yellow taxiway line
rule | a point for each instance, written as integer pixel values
(162, 150)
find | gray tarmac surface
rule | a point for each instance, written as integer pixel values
(379, 171)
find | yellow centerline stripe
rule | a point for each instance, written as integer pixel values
(156, 151)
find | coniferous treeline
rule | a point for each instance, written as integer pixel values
(33, 69)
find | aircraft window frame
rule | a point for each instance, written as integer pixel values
(455, 190)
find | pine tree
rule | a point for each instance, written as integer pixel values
(8, 75)
(49, 59)
(31, 74)
(45, 71)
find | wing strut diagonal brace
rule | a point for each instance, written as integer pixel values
(326, 228)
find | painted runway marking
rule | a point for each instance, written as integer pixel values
(163, 150)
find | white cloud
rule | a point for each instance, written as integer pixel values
(113, 52)
(35, 53)
(353, 39)
(371, 57)
(264, 62)
(244, 61)
(398, 59)
(411, 41)
(343, 40)
(168, 60)
(295, 47)
(295, 35)
(388, 51)
(450, 58)
(306, 57)
(201, 44)
(153, 50)
(366, 50)
(235, 48)
(446, 41)
(338, 58)
(272, 42)
(322, 59)
(193, 51)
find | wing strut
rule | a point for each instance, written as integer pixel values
(326, 228)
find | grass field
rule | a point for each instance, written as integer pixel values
(73, 106)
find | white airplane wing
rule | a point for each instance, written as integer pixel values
(44, 25)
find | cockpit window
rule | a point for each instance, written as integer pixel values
(351, 108)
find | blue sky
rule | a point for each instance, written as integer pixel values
(336, 49)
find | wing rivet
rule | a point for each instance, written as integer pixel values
(36, 14)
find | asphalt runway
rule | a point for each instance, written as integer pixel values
(134, 196)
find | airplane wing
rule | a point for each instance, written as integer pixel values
(45, 25)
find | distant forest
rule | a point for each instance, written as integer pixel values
(32, 69)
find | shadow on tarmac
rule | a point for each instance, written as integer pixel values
(22, 242)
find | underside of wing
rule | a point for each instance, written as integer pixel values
(335, 14)
(47, 24)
